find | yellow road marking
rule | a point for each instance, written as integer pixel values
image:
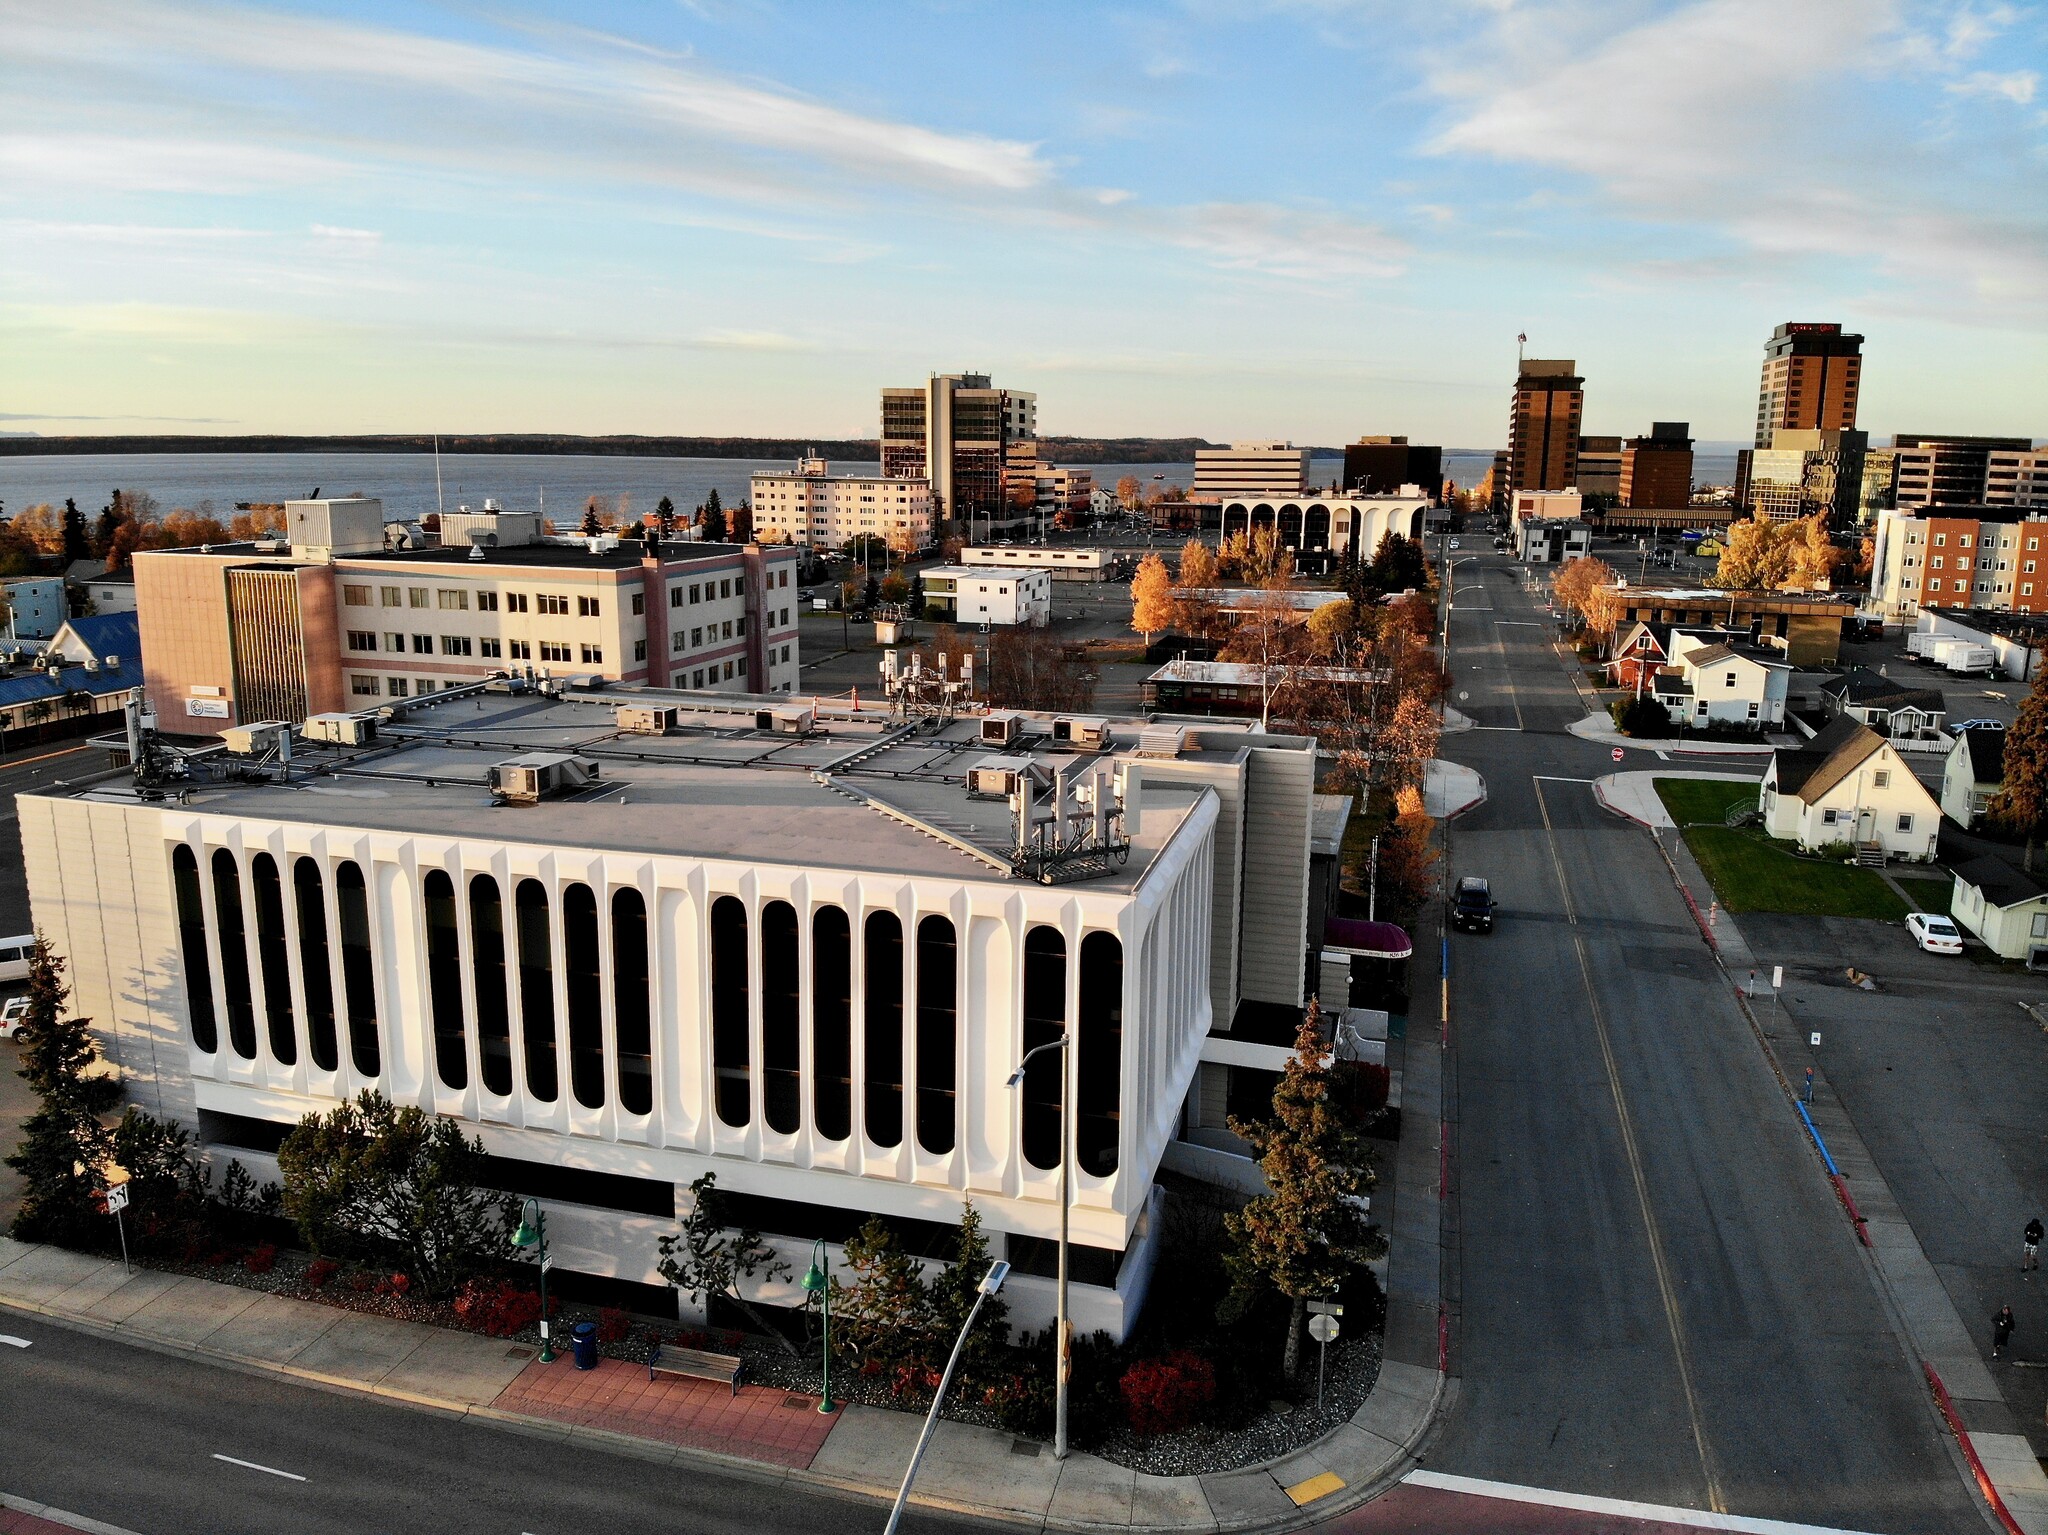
(1315, 1487)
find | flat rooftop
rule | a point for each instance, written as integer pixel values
(862, 792)
(626, 554)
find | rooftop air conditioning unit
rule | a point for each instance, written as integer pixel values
(997, 777)
(1162, 740)
(341, 729)
(647, 719)
(1083, 732)
(794, 722)
(1001, 729)
(539, 776)
(254, 739)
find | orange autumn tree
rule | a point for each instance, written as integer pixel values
(1152, 606)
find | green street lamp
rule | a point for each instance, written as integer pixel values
(818, 1282)
(535, 1234)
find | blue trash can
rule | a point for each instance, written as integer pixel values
(583, 1342)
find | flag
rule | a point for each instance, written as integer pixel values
(1523, 339)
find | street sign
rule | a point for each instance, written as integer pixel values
(1325, 1308)
(547, 1263)
(1322, 1328)
(1777, 977)
(117, 1198)
(1618, 754)
(1813, 1040)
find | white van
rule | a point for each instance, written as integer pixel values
(15, 954)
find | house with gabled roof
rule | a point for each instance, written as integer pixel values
(1848, 786)
(1972, 776)
(1892, 708)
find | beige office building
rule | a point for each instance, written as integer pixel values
(819, 510)
(1250, 469)
(955, 432)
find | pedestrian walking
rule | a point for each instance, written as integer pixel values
(2030, 1245)
(2001, 1330)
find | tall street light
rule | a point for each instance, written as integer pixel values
(1062, 1331)
(535, 1234)
(991, 1282)
(818, 1282)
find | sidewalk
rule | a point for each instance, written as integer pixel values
(1450, 789)
(1634, 794)
(1923, 1314)
(1600, 729)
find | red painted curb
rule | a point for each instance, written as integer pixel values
(1849, 1203)
(1955, 1424)
(1443, 1340)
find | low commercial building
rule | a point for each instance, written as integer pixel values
(1250, 469)
(36, 606)
(1548, 541)
(1666, 520)
(819, 510)
(1547, 505)
(1247, 689)
(976, 594)
(1806, 626)
(1064, 563)
(335, 618)
(1847, 786)
(1972, 775)
(796, 948)
(1234, 603)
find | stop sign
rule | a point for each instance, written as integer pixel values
(1617, 754)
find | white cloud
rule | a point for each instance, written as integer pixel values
(2016, 86)
(1283, 242)
(343, 233)
(164, 162)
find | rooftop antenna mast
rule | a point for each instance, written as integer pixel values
(438, 506)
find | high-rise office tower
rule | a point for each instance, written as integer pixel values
(955, 431)
(1380, 466)
(1657, 470)
(1543, 431)
(1811, 374)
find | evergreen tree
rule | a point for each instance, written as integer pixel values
(2020, 808)
(883, 1320)
(64, 1144)
(106, 530)
(952, 1294)
(77, 540)
(592, 523)
(711, 518)
(1306, 1237)
(665, 516)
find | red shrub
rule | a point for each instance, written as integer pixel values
(496, 1308)
(262, 1260)
(362, 1284)
(400, 1283)
(612, 1326)
(1168, 1393)
(319, 1271)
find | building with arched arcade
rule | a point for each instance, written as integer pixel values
(1348, 527)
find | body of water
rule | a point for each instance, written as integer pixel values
(521, 482)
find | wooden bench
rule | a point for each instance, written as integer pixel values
(696, 1363)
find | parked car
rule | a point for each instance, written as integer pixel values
(1472, 906)
(11, 1014)
(1961, 725)
(15, 954)
(1934, 933)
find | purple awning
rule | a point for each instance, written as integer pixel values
(1374, 940)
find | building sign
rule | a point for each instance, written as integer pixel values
(207, 708)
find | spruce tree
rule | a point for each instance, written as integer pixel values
(883, 1320)
(77, 537)
(64, 1144)
(1308, 1235)
(665, 516)
(952, 1294)
(711, 517)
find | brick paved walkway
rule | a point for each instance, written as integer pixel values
(759, 1424)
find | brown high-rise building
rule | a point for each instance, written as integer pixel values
(1811, 374)
(1657, 470)
(1543, 432)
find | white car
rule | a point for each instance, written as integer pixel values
(1935, 934)
(11, 1013)
(1455, 544)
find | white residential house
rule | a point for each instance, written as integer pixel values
(2005, 906)
(1847, 785)
(1717, 684)
(1895, 709)
(969, 594)
(1973, 774)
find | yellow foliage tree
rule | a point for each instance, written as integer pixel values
(1197, 564)
(1756, 556)
(1329, 626)
(1152, 606)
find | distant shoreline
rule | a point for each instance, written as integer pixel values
(1062, 450)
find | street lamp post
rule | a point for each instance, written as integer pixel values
(818, 1282)
(1063, 1358)
(536, 1235)
(991, 1282)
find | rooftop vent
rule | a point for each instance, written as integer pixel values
(341, 729)
(540, 776)
(787, 721)
(1083, 732)
(1162, 740)
(997, 777)
(646, 719)
(1001, 729)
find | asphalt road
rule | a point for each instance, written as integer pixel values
(1658, 1297)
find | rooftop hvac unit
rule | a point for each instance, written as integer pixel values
(541, 775)
(647, 719)
(253, 740)
(793, 722)
(997, 777)
(1001, 729)
(1162, 740)
(1083, 732)
(341, 729)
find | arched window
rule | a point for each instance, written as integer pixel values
(444, 979)
(832, 1022)
(583, 987)
(782, 1088)
(937, 1051)
(1045, 1012)
(883, 1035)
(358, 969)
(536, 988)
(487, 976)
(632, 1037)
(731, 1093)
(192, 941)
(315, 979)
(1098, 1074)
(273, 953)
(234, 953)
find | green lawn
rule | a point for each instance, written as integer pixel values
(1751, 873)
(1704, 799)
(1928, 894)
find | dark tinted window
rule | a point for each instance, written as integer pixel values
(583, 988)
(487, 978)
(937, 988)
(1098, 1074)
(1045, 1010)
(273, 953)
(234, 953)
(358, 969)
(832, 1022)
(444, 979)
(316, 980)
(632, 1040)
(882, 1036)
(781, 972)
(731, 1092)
(192, 941)
(536, 988)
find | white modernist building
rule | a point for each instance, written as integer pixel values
(1351, 526)
(808, 506)
(799, 948)
(978, 594)
(1064, 564)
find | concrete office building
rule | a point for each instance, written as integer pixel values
(1380, 466)
(1062, 562)
(1250, 469)
(979, 594)
(1657, 470)
(1543, 425)
(1812, 373)
(1801, 473)
(956, 433)
(1960, 557)
(333, 619)
(1348, 526)
(1564, 505)
(1952, 471)
(1045, 492)
(1552, 541)
(804, 957)
(1600, 466)
(810, 506)
(2016, 477)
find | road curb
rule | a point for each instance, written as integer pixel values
(69, 1520)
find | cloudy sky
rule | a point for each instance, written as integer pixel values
(1308, 219)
